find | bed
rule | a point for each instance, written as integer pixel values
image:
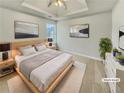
(43, 70)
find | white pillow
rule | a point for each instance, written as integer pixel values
(28, 50)
(21, 48)
(40, 47)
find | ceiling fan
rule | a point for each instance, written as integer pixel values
(59, 3)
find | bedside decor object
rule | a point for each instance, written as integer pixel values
(26, 30)
(79, 31)
(121, 37)
(120, 59)
(4, 48)
(50, 40)
(105, 46)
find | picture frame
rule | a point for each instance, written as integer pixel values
(79, 31)
(121, 37)
(25, 30)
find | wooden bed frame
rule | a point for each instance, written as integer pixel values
(34, 89)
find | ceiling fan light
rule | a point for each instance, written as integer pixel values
(56, 4)
(60, 3)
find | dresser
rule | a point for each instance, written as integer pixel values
(114, 70)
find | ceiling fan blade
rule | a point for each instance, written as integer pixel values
(49, 4)
(65, 6)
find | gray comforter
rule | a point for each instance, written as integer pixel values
(28, 65)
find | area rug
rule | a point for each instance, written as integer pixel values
(70, 84)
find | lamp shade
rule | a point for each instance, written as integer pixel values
(4, 47)
(50, 40)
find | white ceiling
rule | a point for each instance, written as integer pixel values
(75, 8)
(42, 5)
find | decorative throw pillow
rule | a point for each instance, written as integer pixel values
(40, 47)
(28, 50)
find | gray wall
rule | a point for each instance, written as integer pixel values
(100, 26)
(7, 18)
(117, 21)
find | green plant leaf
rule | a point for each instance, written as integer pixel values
(105, 46)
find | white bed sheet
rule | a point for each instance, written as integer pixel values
(42, 76)
(21, 58)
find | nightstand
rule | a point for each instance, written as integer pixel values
(6, 67)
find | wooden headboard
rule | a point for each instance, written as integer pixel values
(16, 45)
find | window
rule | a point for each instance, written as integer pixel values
(51, 31)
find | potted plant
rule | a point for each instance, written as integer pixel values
(120, 59)
(105, 46)
(115, 51)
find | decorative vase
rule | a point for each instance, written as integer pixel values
(114, 53)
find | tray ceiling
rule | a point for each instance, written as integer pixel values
(75, 8)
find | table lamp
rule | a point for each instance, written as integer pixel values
(4, 48)
(50, 40)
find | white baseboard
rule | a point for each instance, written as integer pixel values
(75, 53)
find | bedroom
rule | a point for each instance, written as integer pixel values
(68, 31)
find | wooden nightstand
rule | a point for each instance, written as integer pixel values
(6, 67)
